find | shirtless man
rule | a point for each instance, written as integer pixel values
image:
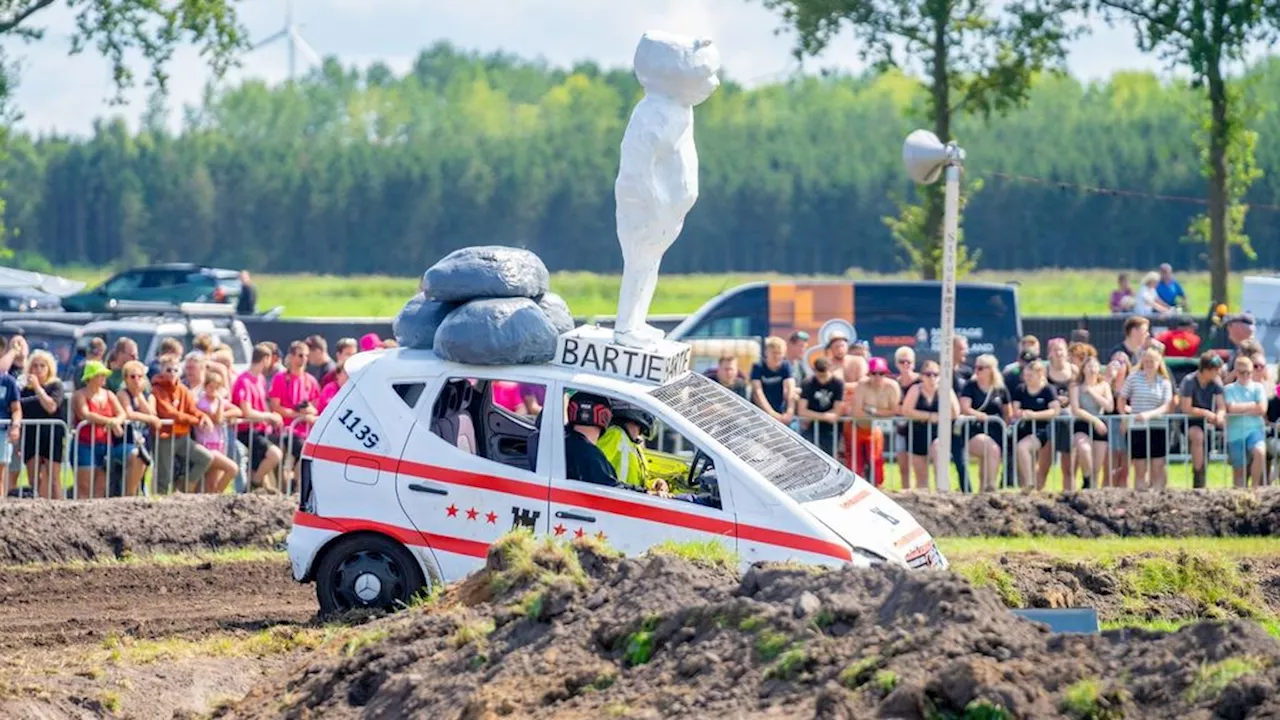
(844, 365)
(876, 397)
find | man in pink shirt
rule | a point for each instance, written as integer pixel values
(249, 392)
(293, 396)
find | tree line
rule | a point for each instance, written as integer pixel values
(351, 171)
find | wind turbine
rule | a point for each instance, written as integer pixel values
(295, 39)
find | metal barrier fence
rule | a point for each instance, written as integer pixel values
(1116, 451)
(51, 459)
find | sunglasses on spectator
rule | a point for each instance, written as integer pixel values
(879, 374)
(930, 373)
(903, 361)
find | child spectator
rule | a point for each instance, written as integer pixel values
(1122, 297)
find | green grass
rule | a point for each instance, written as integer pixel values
(1103, 550)
(1212, 679)
(711, 553)
(1041, 292)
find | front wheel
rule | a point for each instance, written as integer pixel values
(367, 572)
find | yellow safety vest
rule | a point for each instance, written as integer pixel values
(627, 458)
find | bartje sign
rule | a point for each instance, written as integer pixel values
(592, 349)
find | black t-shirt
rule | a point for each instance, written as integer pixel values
(822, 396)
(1036, 402)
(991, 403)
(771, 382)
(584, 461)
(963, 373)
(248, 302)
(1134, 357)
(33, 410)
(319, 371)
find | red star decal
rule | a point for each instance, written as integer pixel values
(578, 533)
(491, 517)
(559, 529)
(452, 510)
(600, 535)
(472, 513)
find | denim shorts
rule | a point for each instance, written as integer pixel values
(1238, 450)
(95, 455)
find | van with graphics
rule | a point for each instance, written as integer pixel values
(419, 464)
(885, 313)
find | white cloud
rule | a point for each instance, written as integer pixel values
(66, 93)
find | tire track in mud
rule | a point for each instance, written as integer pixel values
(69, 605)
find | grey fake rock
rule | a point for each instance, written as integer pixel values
(497, 331)
(415, 326)
(557, 311)
(489, 271)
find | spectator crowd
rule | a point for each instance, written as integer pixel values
(187, 420)
(1108, 419)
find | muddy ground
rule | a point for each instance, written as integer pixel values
(1099, 513)
(63, 531)
(1138, 588)
(144, 640)
(47, 531)
(545, 633)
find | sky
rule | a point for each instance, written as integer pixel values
(64, 94)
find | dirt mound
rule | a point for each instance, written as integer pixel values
(1097, 513)
(1133, 589)
(62, 531)
(545, 632)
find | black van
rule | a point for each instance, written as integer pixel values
(885, 313)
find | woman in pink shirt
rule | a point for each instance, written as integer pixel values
(331, 389)
(294, 394)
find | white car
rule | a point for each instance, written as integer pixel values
(419, 464)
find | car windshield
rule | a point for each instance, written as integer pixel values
(795, 467)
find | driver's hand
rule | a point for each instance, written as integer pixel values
(661, 489)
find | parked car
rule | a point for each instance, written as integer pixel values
(60, 339)
(185, 323)
(173, 283)
(17, 299)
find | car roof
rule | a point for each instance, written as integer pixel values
(393, 361)
(187, 267)
(41, 326)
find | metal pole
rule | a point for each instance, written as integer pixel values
(951, 223)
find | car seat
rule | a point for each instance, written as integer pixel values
(452, 419)
(534, 437)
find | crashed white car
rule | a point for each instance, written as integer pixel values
(419, 464)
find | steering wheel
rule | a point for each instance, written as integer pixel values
(690, 481)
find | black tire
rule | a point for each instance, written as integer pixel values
(397, 574)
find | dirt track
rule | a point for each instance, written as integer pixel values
(73, 606)
(64, 628)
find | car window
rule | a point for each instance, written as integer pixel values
(124, 282)
(770, 448)
(493, 418)
(409, 392)
(639, 450)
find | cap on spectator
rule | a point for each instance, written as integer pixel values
(93, 369)
(1029, 356)
(369, 342)
(836, 336)
(877, 366)
(1244, 317)
(799, 335)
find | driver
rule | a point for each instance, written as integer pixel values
(589, 416)
(623, 446)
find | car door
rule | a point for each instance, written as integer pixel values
(462, 478)
(632, 521)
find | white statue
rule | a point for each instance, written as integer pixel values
(658, 176)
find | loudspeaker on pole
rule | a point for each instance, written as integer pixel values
(924, 156)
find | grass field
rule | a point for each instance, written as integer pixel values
(1041, 292)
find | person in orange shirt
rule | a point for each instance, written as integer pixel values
(1181, 340)
(175, 447)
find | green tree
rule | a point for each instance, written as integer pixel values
(974, 60)
(1203, 36)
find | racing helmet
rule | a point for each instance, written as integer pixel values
(624, 412)
(590, 409)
